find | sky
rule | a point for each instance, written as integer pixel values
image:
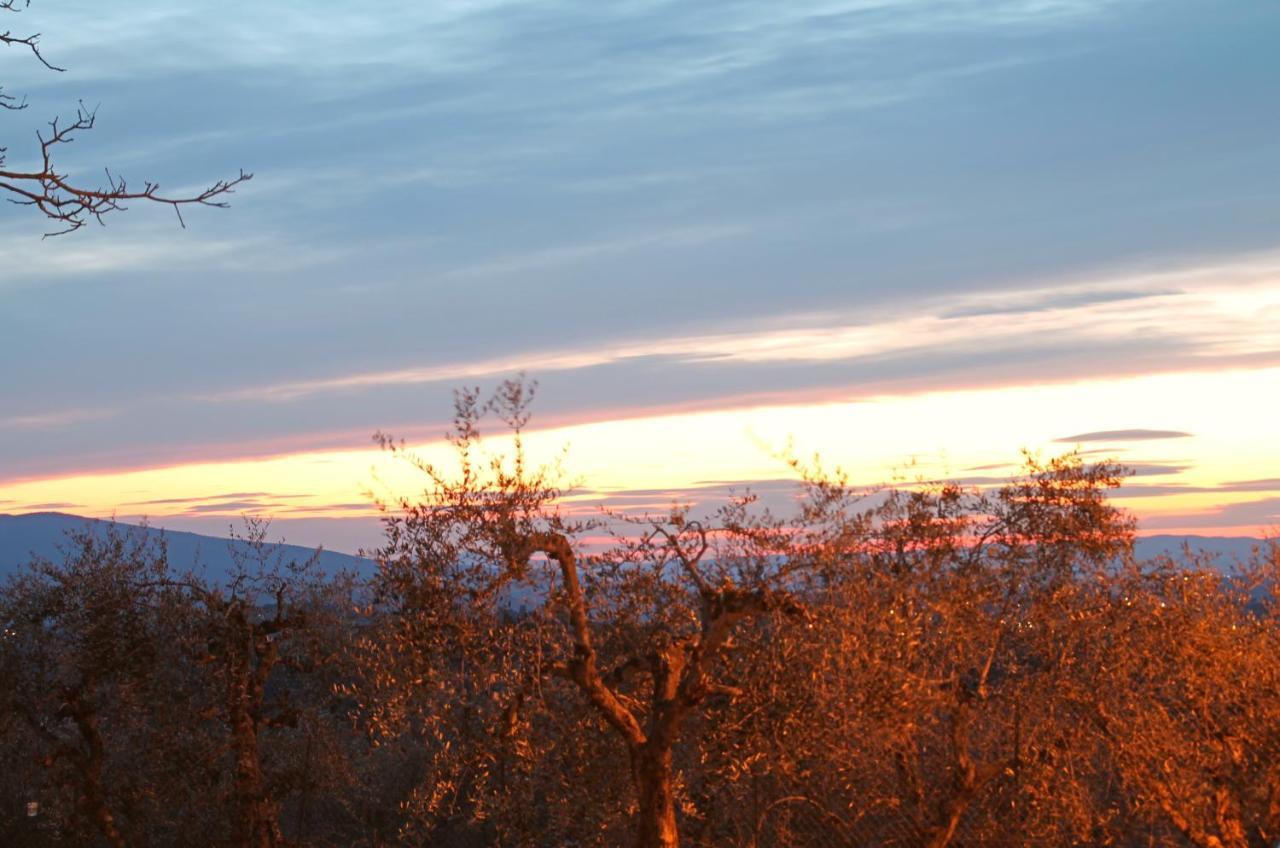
(911, 236)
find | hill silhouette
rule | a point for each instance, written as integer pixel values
(44, 534)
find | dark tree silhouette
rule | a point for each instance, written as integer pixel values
(71, 204)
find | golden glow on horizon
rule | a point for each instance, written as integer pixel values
(938, 434)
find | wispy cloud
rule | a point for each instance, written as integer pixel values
(553, 257)
(453, 37)
(116, 253)
(1177, 489)
(1136, 435)
(1199, 320)
(53, 420)
(222, 496)
(1262, 515)
(1267, 484)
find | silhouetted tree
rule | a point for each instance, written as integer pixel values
(82, 659)
(266, 640)
(141, 704)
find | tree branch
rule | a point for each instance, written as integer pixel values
(71, 204)
(582, 667)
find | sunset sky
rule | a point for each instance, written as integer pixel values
(912, 236)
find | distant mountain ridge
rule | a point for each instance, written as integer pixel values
(1224, 546)
(44, 534)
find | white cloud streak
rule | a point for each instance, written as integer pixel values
(1208, 312)
(53, 420)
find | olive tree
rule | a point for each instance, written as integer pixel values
(638, 631)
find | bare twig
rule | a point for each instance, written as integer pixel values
(73, 204)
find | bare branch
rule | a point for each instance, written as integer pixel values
(72, 204)
(583, 665)
(31, 42)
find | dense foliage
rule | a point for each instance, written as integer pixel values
(926, 665)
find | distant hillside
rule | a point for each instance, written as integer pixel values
(41, 533)
(1223, 546)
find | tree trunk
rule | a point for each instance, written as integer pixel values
(257, 824)
(652, 774)
(967, 778)
(91, 764)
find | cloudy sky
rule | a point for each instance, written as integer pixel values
(906, 234)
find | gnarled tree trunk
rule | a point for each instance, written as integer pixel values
(257, 824)
(651, 772)
(90, 765)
